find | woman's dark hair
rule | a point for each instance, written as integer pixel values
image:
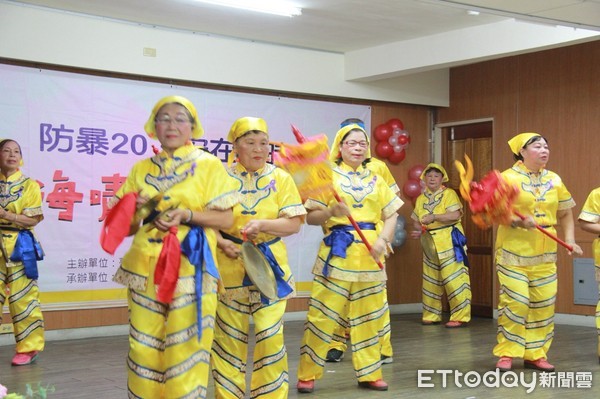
(519, 157)
(433, 169)
(3, 143)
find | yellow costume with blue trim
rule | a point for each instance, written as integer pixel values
(341, 332)
(450, 275)
(526, 263)
(22, 196)
(355, 280)
(591, 213)
(269, 193)
(166, 357)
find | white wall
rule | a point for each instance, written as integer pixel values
(43, 35)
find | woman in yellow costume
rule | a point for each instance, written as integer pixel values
(439, 211)
(346, 273)
(183, 193)
(589, 220)
(270, 208)
(526, 258)
(338, 345)
(21, 210)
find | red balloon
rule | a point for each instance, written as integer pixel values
(384, 149)
(415, 172)
(397, 157)
(382, 133)
(403, 140)
(412, 188)
(395, 123)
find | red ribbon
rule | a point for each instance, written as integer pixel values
(167, 267)
(117, 223)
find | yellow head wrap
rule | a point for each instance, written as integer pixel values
(242, 126)
(15, 141)
(150, 128)
(434, 166)
(518, 142)
(334, 152)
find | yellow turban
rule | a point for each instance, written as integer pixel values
(334, 153)
(150, 128)
(242, 126)
(518, 142)
(434, 166)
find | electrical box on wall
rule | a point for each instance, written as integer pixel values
(585, 286)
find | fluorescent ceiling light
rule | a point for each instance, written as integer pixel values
(275, 7)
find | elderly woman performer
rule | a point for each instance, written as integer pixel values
(270, 208)
(589, 220)
(21, 210)
(439, 210)
(526, 258)
(346, 273)
(169, 269)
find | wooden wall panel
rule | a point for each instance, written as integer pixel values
(555, 93)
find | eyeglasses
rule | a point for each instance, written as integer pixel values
(361, 144)
(164, 120)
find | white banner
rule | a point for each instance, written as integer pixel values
(81, 134)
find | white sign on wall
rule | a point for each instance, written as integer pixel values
(80, 136)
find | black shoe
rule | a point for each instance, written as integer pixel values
(334, 356)
(386, 359)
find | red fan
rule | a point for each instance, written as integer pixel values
(308, 164)
(491, 200)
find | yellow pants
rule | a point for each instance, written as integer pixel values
(24, 307)
(166, 359)
(230, 350)
(365, 301)
(526, 310)
(453, 278)
(342, 332)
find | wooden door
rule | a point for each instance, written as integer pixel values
(474, 140)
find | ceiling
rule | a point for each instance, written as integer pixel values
(335, 25)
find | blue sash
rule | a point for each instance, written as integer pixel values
(458, 243)
(340, 239)
(28, 250)
(195, 247)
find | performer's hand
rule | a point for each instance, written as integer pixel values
(428, 219)
(378, 248)
(576, 249)
(230, 249)
(252, 228)
(169, 218)
(339, 209)
(415, 234)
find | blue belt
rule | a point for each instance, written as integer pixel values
(195, 247)
(27, 250)
(340, 239)
(283, 288)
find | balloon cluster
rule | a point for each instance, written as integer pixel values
(392, 140)
(399, 232)
(413, 188)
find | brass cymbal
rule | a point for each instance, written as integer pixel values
(429, 248)
(259, 270)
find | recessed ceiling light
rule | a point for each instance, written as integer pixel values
(472, 12)
(275, 7)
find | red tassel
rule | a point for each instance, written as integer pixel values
(117, 222)
(155, 149)
(167, 267)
